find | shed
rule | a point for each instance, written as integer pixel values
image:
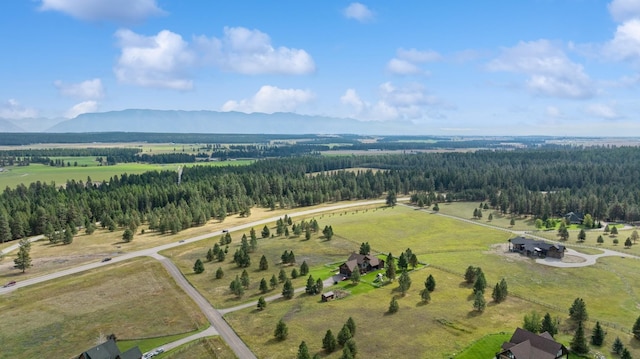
(328, 296)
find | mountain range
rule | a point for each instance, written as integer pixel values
(173, 121)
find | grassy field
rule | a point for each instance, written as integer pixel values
(213, 347)
(134, 299)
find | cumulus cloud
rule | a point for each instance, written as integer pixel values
(162, 60)
(358, 11)
(394, 103)
(550, 72)
(406, 61)
(82, 107)
(90, 89)
(623, 10)
(270, 99)
(250, 52)
(625, 44)
(124, 11)
(602, 111)
(13, 110)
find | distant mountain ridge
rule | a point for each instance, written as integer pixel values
(176, 121)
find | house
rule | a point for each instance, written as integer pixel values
(109, 350)
(363, 262)
(573, 218)
(325, 297)
(535, 248)
(526, 345)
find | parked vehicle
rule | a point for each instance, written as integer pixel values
(106, 259)
(12, 283)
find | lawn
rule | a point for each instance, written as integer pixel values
(212, 347)
(63, 317)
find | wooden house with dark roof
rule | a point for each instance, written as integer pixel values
(109, 350)
(574, 218)
(363, 262)
(526, 345)
(535, 248)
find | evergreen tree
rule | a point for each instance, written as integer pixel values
(490, 218)
(23, 259)
(404, 282)
(307, 234)
(264, 265)
(219, 273)
(244, 279)
(327, 232)
(287, 289)
(265, 232)
(346, 353)
(5, 229)
(273, 282)
(430, 283)
(264, 287)
(252, 234)
(425, 295)
(582, 235)
(68, 235)
(479, 304)
(391, 202)
(512, 222)
(262, 304)
(600, 240)
(470, 275)
(614, 231)
(311, 288)
(351, 344)
(579, 342)
(549, 325)
(627, 243)
(344, 335)
(198, 266)
(617, 346)
(597, 338)
(282, 276)
(319, 285)
(393, 306)
(220, 256)
(578, 310)
(391, 267)
(481, 283)
(329, 342)
(281, 331)
(210, 255)
(403, 263)
(625, 354)
(365, 248)
(636, 329)
(303, 351)
(253, 243)
(355, 276)
(294, 273)
(304, 268)
(413, 261)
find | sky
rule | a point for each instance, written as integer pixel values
(526, 67)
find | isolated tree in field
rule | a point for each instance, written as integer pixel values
(531, 322)
(252, 234)
(549, 325)
(351, 324)
(425, 295)
(262, 304)
(393, 306)
(287, 289)
(327, 232)
(512, 222)
(614, 231)
(307, 234)
(475, 212)
(355, 276)
(391, 199)
(579, 342)
(478, 302)
(636, 329)
(600, 240)
(23, 259)
(617, 346)
(127, 235)
(198, 266)
(500, 291)
(563, 233)
(210, 256)
(470, 275)
(539, 223)
(265, 232)
(264, 264)
(626, 354)
(588, 221)
(329, 342)
(430, 283)
(303, 351)
(391, 267)
(436, 208)
(578, 310)
(273, 282)
(281, 331)
(597, 338)
(221, 256)
(264, 287)
(404, 283)
(365, 248)
(627, 243)
(294, 273)
(236, 287)
(344, 334)
(319, 285)
(634, 236)
(607, 229)
(304, 268)
(219, 273)
(351, 344)
(582, 235)
(346, 353)
(282, 276)
(490, 218)
(615, 241)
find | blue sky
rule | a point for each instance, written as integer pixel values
(526, 67)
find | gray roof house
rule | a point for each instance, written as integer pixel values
(526, 345)
(535, 248)
(109, 350)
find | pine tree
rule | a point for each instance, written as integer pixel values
(393, 306)
(5, 229)
(625, 354)
(282, 276)
(600, 240)
(329, 342)
(219, 273)
(262, 304)
(23, 259)
(549, 325)
(351, 324)
(430, 283)
(303, 351)
(244, 279)
(425, 295)
(210, 255)
(68, 235)
(281, 331)
(470, 275)
(311, 286)
(287, 289)
(636, 329)
(365, 248)
(598, 335)
(579, 342)
(265, 232)
(304, 268)
(273, 282)
(479, 304)
(617, 346)
(481, 283)
(391, 267)
(319, 285)
(403, 263)
(346, 353)
(582, 235)
(198, 266)
(351, 344)
(294, 273)
(264, 264)
(404, 282)
(578, 310)
(344, 335)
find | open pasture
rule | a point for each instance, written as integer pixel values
(133, 299)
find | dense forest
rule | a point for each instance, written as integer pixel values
(546, 182)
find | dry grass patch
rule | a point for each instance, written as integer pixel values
(60, 318)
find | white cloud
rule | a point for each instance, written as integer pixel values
(154, 61)
(90, 89)
(406, 61)
(417, 56)
(125, 11)
(623, 10)
(250, 52)
(403, 67)
(270, 99)
(394, 103)
(358, 11)
(80, 108)
(550, 71)
(13, 110)
(602, 111)
(625, 44)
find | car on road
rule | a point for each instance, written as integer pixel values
(181, 241)
(106, 259)
(225, 231)
(12, 283)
